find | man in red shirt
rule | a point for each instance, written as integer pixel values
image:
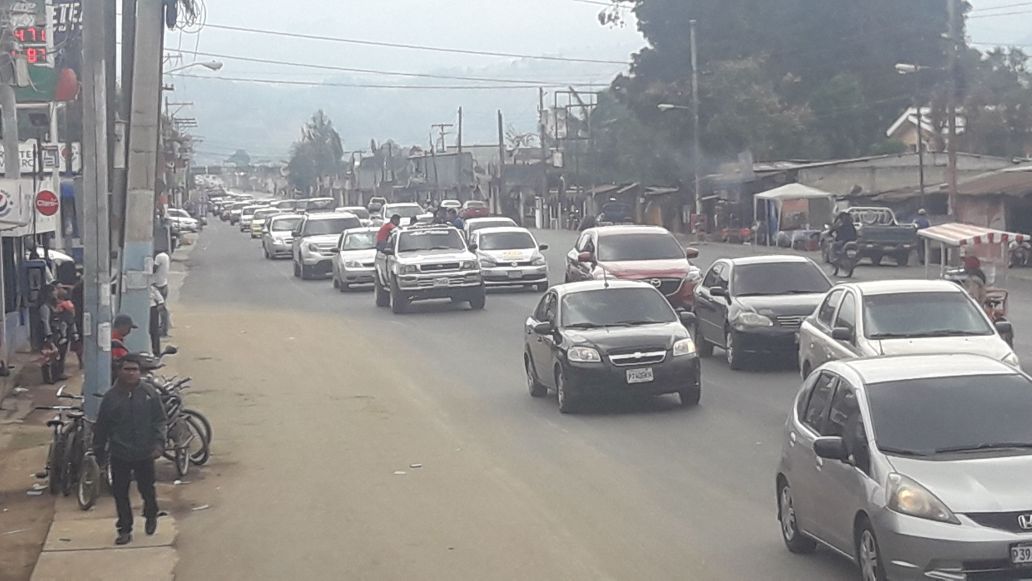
(385, 232)
(120, 329)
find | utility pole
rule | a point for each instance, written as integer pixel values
(12, 160)
(96, 231)
(951, 110)
(459, 139)
(544, 152)
(696, 138)
(501, 164)
(920, 139)
(145, 125)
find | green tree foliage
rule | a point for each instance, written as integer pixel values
(998, 105)
(318, 154)
(792, 78)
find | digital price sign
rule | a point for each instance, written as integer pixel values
(31, 43)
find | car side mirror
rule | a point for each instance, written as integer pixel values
(543, 328)
(687, 318)
(586, 257)
(295, 233)
(169, 350)
(472, 246)
(831, 448)
(542, 247)
(718, 291)
(691, 253)
(842, 334)
(1004, 327)
(388, 251)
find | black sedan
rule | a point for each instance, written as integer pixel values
(595, 337)
(756, 304)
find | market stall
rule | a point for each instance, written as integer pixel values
(794, 211)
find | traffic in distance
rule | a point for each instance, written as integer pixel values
(907, 450)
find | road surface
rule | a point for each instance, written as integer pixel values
(354, 444)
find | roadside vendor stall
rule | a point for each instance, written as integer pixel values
(794, 211)
(988, 244)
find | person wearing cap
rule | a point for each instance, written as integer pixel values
(120, 329)
(921, 222)
(385, 232)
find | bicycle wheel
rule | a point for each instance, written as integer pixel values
(72, 463)
(55, 463)
(89, 482)
(197, 449)
(209, 434)
(182, 461)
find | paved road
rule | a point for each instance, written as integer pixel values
(319, 399)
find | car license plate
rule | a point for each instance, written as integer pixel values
(640, 375)
(515, 274)
(1021, 555)
(440, 282)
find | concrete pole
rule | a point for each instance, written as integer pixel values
(697, 145)
(12, 164)
(951, 110)
(145, 126)
(96, 230)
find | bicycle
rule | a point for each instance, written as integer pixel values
(70, 461)
(171, 390)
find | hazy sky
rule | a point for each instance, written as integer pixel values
(566, 28)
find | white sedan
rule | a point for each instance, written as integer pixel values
(510, 256)
(356, 254)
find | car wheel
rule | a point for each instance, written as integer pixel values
(903, 259)
(305, 274)
(567, 401)
(535, 386)
(868, 556)
(690, 397)
(336, 283)
(731, 351)
(876, 259)
(343, 286)
(794, 540)
(479, 300)
(703, 347)
(399, 303)
(297, 271)
(542, 287)
(380, 294)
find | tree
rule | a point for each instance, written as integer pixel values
(240, 158)
(317, 155)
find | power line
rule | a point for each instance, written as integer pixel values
(995, 14)
(371, 86)
(412, 46)
(369, 71)
(1003, 7)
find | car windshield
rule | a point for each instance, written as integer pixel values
(431, 240)
(248, 211)
(952, 414)
(492, 223)
(476, 205)
(331, 225)
(178, 213)
(628, 247)
(405, 211)
(359, 241)
(285, 224)
(778, 278)
(362, 213)
(615, 307)
(506, 241)
(317, 204)
(926, 314)
(264, 214)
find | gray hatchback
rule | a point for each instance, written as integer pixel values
(915, 467)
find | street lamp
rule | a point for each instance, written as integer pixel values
(210, 65)
(695, 153)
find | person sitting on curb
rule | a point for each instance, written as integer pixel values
(131, 429)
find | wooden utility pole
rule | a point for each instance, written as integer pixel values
(95, 220)
(501, 164)
(951, 111)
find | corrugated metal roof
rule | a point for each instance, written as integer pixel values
(1011, 181)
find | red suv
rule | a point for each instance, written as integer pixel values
(646, 253)
(474, 209)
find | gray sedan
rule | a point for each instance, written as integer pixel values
(915, 467)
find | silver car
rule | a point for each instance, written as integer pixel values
(510, 257)
(355, 261)
(277, 238)
(901, 317)
(915, 467)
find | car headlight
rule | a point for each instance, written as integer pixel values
(539, 261)
(310, 249)
(910, 498)
(352, 264)
(684, 347)
(747, 319)
(468, 265)
(584, 355)
(487, 263)
(1012, 360)
(409, 269)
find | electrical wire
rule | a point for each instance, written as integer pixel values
(411, 46)
(374, 86)
(369, 71)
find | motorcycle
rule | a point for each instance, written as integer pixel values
(1020, 254)
(841, 259)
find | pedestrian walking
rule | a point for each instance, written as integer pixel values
(921, 222)
(57, 316)
(162, 263)
(157, 307)
(130, 434)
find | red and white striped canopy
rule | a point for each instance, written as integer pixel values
(957, 234)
